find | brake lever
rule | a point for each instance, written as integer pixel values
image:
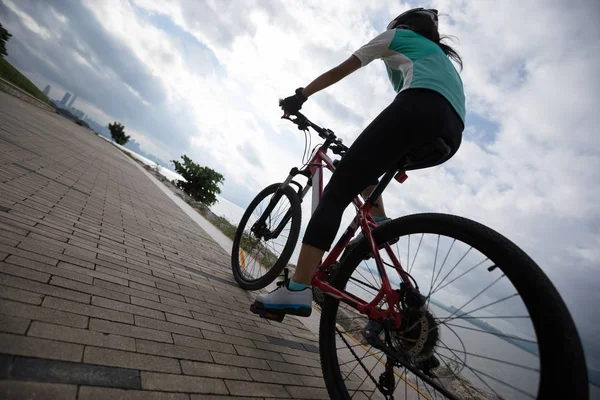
(300, 122)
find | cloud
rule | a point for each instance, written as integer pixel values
(203, 78)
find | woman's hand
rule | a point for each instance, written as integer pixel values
(293, 104)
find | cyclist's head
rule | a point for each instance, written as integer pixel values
(424, 22)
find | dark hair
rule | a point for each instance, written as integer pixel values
(423, 25)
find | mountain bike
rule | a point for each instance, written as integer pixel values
(425, 306)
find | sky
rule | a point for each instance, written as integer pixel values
(203, 78)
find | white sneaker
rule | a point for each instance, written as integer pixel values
(283, 301)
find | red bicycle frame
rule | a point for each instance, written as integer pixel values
(314, 170)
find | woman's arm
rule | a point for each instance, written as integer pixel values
(332, 76)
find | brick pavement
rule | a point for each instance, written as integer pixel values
(109, 290)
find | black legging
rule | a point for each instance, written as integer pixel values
(414, 116)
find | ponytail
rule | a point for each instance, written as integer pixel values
(424, 26)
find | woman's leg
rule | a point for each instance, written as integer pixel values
(310, 257)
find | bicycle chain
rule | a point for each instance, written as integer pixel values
(380, 387)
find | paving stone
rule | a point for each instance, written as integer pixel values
(242, 334)
(185, 306)
(129, 330)
(203, 344)
(160, 306)
(126, 307)
(43, 288)
(23, 296)
(174, 351)
(124, 289)
(226, 338)
(125, 359)
(89, 289)
(260, 375)
(125, 276)
(217, 397)
(239, 361)
(17, 390)
(182, 383)
(275, 347)
(96, 273)
(81, 336)
(50, 270)
(86, 309)
(10, 324)
(287, 343)
(312, 381)
(214, 370)
(301, 392)
(28, 255)
(239, 388)
(301, 361)
(34, 347)
(42, 314)
(103, 393)
(290, 368)
(158, 291)
(256, 353)
(167, 326)
(27, 273)
(177, 319)
(43, 370)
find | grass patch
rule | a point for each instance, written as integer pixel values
(12, 75)
(249, 244)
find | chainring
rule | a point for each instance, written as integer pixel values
(318, 296)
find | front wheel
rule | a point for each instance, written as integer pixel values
(266, 237)
(484, 321)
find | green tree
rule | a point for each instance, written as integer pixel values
(200, 182)
(4, 36)
(117, 131)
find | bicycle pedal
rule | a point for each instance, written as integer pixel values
(276, 316)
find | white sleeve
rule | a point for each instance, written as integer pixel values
(379, 47)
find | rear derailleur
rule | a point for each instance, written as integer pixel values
(372, 333)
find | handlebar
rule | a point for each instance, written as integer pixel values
(331, 140)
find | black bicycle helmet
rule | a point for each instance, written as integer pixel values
(401, 21)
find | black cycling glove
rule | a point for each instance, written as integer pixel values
(293, 104)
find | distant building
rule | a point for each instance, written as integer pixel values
(47, 90)
(72, 101)
(65, 98)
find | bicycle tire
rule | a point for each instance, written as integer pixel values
(292, 239)
(561, 352)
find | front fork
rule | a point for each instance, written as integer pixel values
(259, 228)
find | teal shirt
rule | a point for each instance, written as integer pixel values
(413, 61)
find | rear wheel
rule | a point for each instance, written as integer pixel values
(266, 237)
(484, 323)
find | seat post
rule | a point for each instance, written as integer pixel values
(385, 180)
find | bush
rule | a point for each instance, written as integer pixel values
(201, 183)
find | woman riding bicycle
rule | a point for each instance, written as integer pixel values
(430, 104)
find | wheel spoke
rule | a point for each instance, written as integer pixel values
(365, 284)
(492, 333)
(417, 253)
(452, 317)
(438, 288)
(477, 295)
(437, 247)
(453, 268)
(444, 262)
(496, 360)
(477, 371)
